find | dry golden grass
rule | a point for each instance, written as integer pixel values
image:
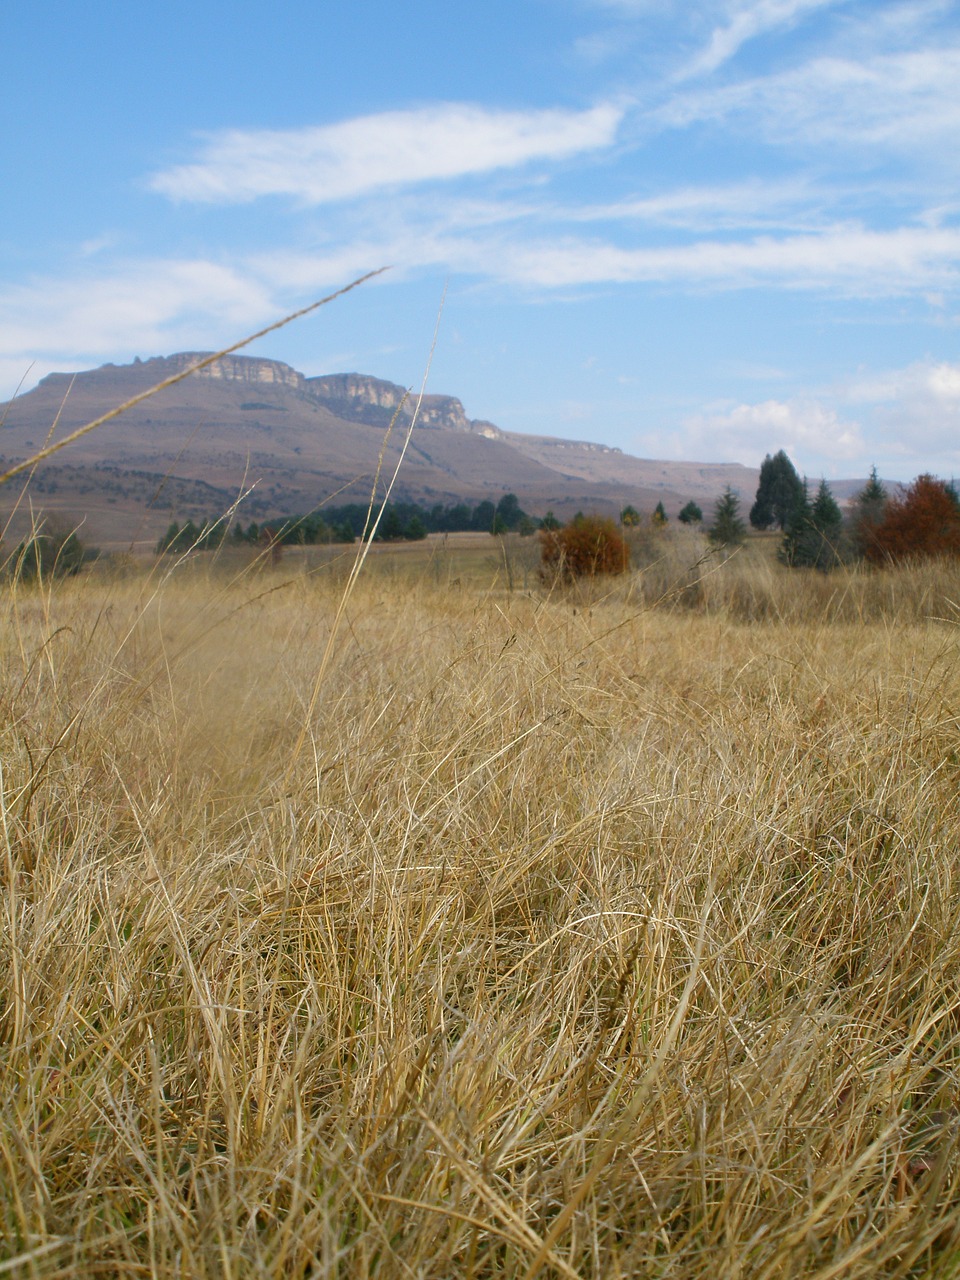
(584, 935)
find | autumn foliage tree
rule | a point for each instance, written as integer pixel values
(921, 523)
(586, 547)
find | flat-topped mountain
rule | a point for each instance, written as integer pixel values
(249, 426)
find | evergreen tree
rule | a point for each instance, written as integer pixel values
(629, 517)
(391, 525)
(813, 537)
(484, 514)
(780, 490)
(168, 540)
(508, 511)
(690, 514)
(869, 508)
(796, 536)
(659, 516)
(827, 521)
(727, 530)
(550, 522)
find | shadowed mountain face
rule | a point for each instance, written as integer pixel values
(254, 427)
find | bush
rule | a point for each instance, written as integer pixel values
(587, 547)
(49, 553)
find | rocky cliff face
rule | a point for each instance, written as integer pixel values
(355, 391)
(355, 397)
(359, 398)
(578, 446)
(245, 369)
(249, 369)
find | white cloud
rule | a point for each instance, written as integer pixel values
(745, 22)
(395, 148)
(905, 420)
(935, 382)
(807, 430)
(915, 411)
(148, 306)
(846, 260)
(141, 307)
(895, 102)
(849, 260)
(735, 206)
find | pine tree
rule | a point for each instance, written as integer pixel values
(869, 508)
(509, 512)
(659, 516)
(796, 542)
(780, 490)
(690, 514)
(727, 530)
(827, 520)
(168, 541)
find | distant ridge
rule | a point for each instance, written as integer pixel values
(249, 422)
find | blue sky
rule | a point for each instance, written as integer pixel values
(699, 231)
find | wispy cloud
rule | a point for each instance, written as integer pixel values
(745, 22)
(396, 148)
(139, 307)
(790, 203)
(850, 260)
(147, 306)
(894, 102)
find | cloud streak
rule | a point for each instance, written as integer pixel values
(141, 306)
(746, 22)
(893, 102)
(393, 149)
(850, 260)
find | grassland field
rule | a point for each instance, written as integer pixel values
(445, 923)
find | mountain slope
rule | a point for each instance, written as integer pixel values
(246, 423)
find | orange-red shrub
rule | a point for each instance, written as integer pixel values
(588, 546)
(924, 522)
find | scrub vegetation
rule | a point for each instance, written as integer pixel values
(440, 929)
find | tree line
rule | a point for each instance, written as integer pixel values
(921, 521)
(399, 521)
